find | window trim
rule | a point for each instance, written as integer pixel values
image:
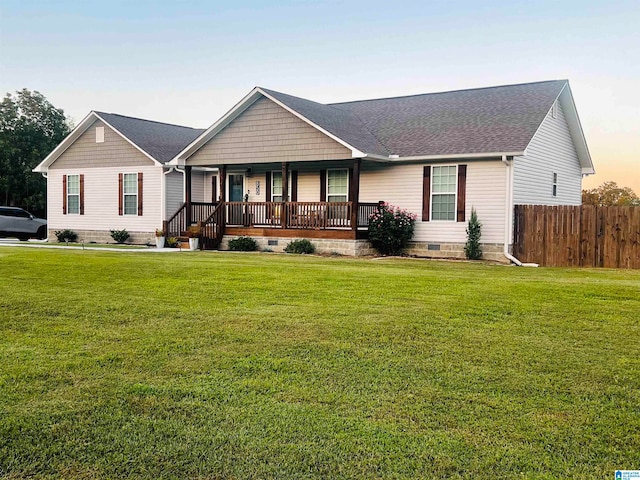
(69, 195)
(125, 194)
(346, 194)
(455, 194)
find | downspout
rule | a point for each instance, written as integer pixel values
(508, 220)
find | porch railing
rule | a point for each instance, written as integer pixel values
(212, 228)
(212, 218)
(297, 215)
(178, 223)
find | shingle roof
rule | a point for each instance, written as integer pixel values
(341, 122)
(481, 120)
(162, 141)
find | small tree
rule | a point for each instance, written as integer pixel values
(472, 248)
(390, 229)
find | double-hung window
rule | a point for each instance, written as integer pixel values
(276, 187)
(443, 193)
(73, 194)
(130, 193)
(337, 185)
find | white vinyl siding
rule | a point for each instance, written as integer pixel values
(130, 193)
(101, 200)
(551, 151)
(401, 185)
(174, 190)
(73, 194)
(337, 185)
(443, 192)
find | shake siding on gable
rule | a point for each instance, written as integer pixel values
(114, 151)
(551, 150)
(401, 185)
(266, 132)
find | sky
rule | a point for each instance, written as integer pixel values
(188, 63)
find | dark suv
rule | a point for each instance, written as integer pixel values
(16, 222)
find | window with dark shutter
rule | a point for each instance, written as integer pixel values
(323, 185)
(426, 193)
(64, 194)
(462, 192)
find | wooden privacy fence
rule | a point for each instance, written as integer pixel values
(577, 236)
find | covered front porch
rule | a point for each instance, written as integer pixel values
(337, 220)
(234, 214)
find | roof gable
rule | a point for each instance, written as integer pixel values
(160, 142)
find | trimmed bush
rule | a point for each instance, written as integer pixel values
(472, 248)
(300, 246)
(66, 236)
(243, 244)
(120, 236)
(390, 229)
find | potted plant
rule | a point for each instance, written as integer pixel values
(159, 238)
(194, 237)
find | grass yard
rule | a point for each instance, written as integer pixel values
(219, 365)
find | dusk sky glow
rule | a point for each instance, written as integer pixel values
(190, 62)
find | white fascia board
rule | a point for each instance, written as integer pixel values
(565, 98)
(454, 156)
(82, 127)
(214, 129)
(127, 139)
(575, 127)
(355, 153)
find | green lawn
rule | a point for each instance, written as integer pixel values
(219, 365)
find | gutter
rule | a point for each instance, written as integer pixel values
(508, 221)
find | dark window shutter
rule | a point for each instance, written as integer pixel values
(462, 189)
(426, 193)
(267, 187)
(64, 194)
(81, 194)
(120, 194)
(350, 186)
(214, 189)
(294, 185)
(139, 193)
(323, 185)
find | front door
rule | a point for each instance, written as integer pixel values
(236, 194)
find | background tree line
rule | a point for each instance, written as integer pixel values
(30, 128)
(609, 193)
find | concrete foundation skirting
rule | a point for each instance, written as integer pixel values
(353, 248)
(358, 248)
(101, 236)
(490, 251)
